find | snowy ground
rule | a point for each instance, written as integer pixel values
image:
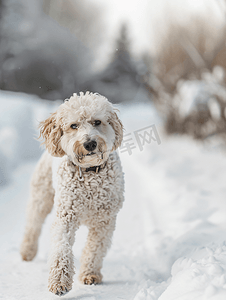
(170, 238)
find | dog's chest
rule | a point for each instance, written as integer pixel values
(94, 192)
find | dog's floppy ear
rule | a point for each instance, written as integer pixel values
(51, 132)
(118, 128)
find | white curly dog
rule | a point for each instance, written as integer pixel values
(81, 175)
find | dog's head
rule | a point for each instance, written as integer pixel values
(85, 127)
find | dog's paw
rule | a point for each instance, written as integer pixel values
(60, 280)
(28, 250)
(59, 290)
(91, 279)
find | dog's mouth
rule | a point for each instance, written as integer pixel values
(99, 155)
(90, 154)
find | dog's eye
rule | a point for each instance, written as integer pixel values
(74, 126)
(97, 122)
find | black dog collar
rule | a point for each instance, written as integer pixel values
(95, 169)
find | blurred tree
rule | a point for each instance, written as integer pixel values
(82, 18)
(1, 10)
(1, 7)
(38, 56)
(122, 42)
(121, 79)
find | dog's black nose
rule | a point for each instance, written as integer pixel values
(90, 146)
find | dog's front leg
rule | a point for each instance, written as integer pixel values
(98, 242)
(61, 258)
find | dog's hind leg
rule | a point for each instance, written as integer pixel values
(98, 242)
(39, 206)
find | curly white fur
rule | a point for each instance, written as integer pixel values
(92, 199)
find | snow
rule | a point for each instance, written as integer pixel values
(170, 239)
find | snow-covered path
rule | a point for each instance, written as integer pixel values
(169, 240)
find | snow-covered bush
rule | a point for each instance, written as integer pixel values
(198, 106)
(189, 83)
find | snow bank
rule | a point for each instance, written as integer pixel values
(19, 117)
(201, 277)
